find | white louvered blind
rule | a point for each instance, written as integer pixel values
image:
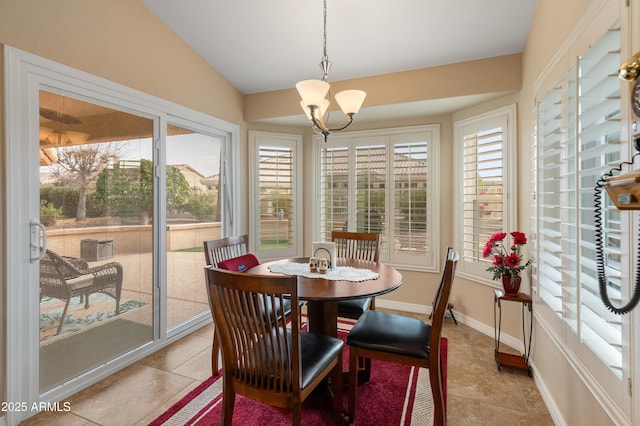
(549, 263)
(380, 182)
(579, 140)
(276, 196)
(599, 146)
(412, 224)
(371, 184)
(334, 190)
(483, 190)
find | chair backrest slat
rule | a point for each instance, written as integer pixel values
(216, 251)
(357, 245)
(259, 350)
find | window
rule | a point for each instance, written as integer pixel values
(484, 180)
(383, 182)
(275, 214)
(579, 137)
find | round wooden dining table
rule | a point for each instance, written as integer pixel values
(322, 295)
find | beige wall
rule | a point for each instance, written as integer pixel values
(123, 42)
(492, 75)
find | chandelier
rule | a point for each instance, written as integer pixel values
(313, 93)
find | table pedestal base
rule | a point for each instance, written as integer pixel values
(323, 317)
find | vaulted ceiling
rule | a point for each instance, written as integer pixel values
(260, 45)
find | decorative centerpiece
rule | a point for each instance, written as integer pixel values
(325, 250)
(507, 264)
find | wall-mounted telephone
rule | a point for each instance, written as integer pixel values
(624, 191)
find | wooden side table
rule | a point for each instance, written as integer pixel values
(520, 362)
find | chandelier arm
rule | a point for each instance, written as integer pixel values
(320, 127)
(344, 125)
(318, 123)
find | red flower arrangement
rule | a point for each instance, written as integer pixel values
(506, 262)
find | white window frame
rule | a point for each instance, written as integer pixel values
(390, 137)
(294, 142)
(609, 389)
(504, 117)
(25, 74)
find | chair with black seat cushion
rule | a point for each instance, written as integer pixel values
(264, 359)
(404, 340)
(356, 245)
(231, 253)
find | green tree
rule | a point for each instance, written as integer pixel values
(126, 189)
(49, 213)
(202, 205)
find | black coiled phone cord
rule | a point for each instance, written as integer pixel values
(602, 279)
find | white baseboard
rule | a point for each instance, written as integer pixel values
(554, 411)
(400, 306)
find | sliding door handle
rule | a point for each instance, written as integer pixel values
(37, 252)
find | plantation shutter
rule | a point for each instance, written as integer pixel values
(599, 148)
(578, 141)
(334, 190)
(483, 190)
(371, 187)
(277, 207)
(556, 191)
(275, 219)
(412, 224)
(363, 176)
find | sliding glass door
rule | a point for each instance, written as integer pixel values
(110, 193)
(193, 215)
(96, 203)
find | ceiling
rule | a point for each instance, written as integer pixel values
(260, 45)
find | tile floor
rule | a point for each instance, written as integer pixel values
(477, 394)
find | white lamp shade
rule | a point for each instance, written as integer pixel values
(324, 104)
(350, 101)
(312, 92)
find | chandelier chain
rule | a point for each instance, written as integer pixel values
(325, 64)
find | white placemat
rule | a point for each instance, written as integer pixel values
(339, 273)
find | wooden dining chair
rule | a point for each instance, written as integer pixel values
(230, 253)
(404, 340)
(362, 246)
(264, 358)
(216, 252)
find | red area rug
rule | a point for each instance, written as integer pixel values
(395, 395)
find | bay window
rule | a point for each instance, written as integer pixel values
(383, 182)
